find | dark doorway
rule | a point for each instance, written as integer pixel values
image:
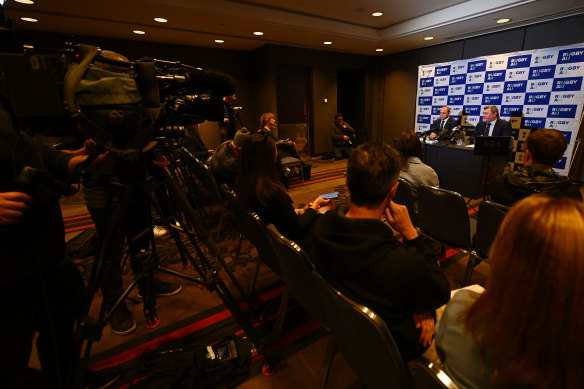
(293, 86)
(351, 99)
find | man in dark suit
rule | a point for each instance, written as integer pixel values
(442, 127)
(491, 124)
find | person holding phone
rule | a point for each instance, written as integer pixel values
(360, 254)
(260, 190)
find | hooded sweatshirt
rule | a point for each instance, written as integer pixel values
(367, 262)
(512, 187)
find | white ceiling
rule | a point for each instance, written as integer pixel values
(300, 23)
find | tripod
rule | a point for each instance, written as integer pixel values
(172, 204)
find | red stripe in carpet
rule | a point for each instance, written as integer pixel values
(67, 230)
(151, 345)
(180, 333)
(76, 217)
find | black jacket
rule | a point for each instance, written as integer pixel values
(365, 260)
(512, 187)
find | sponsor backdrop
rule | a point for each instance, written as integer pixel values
(545, 85)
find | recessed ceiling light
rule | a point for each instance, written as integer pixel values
(504, 20)
(327, 43)
(377, 14)
(378, 49)
(25, 1)
(428, 38)
(219, 41)
(32, 20)
(160, 20)
(258, 33)
(139, 32)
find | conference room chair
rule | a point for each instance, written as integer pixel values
(405, 196)
(443, 217)
(253, 228)
(207, 180)
(363, 338)
(297, 273)
(429, 375)
(490, 215)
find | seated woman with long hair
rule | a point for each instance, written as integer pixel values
(260, 190)
(414, 171)
(526, 329)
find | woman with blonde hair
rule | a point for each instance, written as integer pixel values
(526, 329)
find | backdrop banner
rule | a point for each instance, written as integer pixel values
(539, 88)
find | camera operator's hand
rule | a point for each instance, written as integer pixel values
(211, 152)
(346, 137)
(13, 205)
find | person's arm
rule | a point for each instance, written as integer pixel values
(348, 129)
(337, 134)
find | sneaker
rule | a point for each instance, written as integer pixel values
(163, 288)
(121, 321)
(159, 231)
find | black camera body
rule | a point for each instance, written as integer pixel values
(65, 92)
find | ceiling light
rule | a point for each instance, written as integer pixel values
(160, 20)
(25, 1)
(378, 49)
(504, 20)
(219, 41)
(139, 32)
(258, 33)
(428, 38)
(377, 14)
(327, 43)
(32, 20)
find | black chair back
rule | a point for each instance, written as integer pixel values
(405, 196)
(443, 216)
(297, 271)
(489, 217)
(363, 338)
(204, 175)
(430, 376)
(252, 227)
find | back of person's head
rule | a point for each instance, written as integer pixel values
(409, 145)
(265, 118)
(241, 137)
(529, 320)
(546, 146)
(258, 178)
(372, 170)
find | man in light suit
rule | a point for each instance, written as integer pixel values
(442, 127)
(491, 124)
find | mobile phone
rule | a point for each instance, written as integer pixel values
(332, 195)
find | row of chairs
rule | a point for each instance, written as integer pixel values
(360, 334)
(443, 217)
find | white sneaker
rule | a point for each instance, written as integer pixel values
(159, 231)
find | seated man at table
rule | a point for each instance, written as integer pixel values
(443, 126)
(491, 124)
(542, 149)
(359, 254)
